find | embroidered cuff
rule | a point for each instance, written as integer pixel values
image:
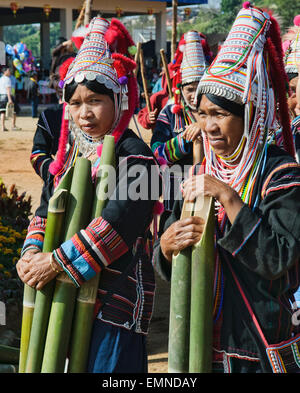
(35, 234)
(172, 150)
(242, 230)
(90, 250)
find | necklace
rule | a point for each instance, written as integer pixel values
(86, 144)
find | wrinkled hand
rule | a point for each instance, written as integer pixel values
(181, 234)
(192, 133)
(34, 269)
(210, 186)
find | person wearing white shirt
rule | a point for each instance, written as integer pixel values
(5, 95)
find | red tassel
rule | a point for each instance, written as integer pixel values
(57, 165)
(132, 103)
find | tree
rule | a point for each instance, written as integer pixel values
(231, 6)
(285, 10)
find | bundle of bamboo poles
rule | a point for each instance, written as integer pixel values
(60, 317)
(191, 300)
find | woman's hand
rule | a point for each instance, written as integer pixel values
(192, 133)
(181, 234)
(35, 269)
(210, 186)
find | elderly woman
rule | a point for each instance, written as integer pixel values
(101, 99)
(256, 191)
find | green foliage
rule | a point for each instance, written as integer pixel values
(208, 21)
(14, 212)
(231, 8)
(285, 10)
(30, 35)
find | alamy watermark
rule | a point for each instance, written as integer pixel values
(137, 182)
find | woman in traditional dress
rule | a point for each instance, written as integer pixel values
(179, 116)
(101, 93)
(291, 46)
(256, 188)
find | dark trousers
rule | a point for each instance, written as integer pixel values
(34, 106)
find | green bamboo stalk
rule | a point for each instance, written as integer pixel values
(28, 309)
(29, 300)
(59, 326)
(83, 320)
(178, 346)
(9, 354)
(52, 240)
(61, 314)
(202, 272)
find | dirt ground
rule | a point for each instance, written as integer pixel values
(15, 168)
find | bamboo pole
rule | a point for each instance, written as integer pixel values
(166, 69)
(142, 67)
(52, 240)
(180, 306)
(28, 309)
(197, 152)
(86, 299)
(80, 19)
(88, 12)
(61, 314)
(202, 272)
(174, 28)
(28, 313)
(137, 58)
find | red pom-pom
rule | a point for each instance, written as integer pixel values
(176, 109)
(63, 69)
(122, 64)
(77, 41)
(247, 4)
(297, 20)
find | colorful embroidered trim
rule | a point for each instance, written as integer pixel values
(35, 234)
(90, 250)
(246, 238)
(280, 167)
(172, 150)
